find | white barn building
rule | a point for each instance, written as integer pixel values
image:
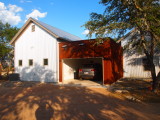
(134, 64)
(36, 51)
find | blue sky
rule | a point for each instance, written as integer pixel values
(68, 15)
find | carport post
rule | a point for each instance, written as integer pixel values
(103, 70)
(60, 70)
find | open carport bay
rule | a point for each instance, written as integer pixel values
(71, 67)
(74, 54)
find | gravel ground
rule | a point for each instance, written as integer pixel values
(46, 101)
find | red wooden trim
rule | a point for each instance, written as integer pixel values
(60, 71)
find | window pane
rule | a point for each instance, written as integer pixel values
(146, 64)
(20, 62)
(30, 62)
(33, 28)
(45, 61)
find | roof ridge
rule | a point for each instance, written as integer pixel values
(56, 32)
(51, 28)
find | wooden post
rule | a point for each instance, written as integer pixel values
(60, 71)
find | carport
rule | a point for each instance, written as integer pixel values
(73, 54)
(71, 67)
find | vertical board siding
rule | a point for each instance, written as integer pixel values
(133, 63)
(36, 45)
(133, 66)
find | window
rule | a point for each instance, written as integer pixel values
(20, 63)
(45, 61)
(33, 28)
(146, 64)
(30, 62)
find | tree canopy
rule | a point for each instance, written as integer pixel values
(121, 16)
(6, 34)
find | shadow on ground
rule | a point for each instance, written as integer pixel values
(137, 88)
(53, 102)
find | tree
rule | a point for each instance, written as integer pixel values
(122, 15)
(6, 34)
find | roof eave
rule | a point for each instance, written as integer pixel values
(26, 24)
(19, 32)
(121, 39)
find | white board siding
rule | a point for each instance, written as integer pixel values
(133, 66)
(68, 72)
(36, 45)
(133, 63)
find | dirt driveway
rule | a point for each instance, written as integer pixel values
(19, 101)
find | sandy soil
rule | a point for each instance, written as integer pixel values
(37, 101)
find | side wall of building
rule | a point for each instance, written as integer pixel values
(134, 67)
(133, 64)
(36, 46)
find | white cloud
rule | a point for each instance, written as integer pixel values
(85, 32)
(2, 6)
(23, 1)
(14, 8)
(36, 14)
(10, 14)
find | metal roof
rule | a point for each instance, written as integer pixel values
(57, 33)
(60, 33)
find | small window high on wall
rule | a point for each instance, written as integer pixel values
(146, 64)
(30, 62)
(45, 61)
(33, 28)
(20, 62)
